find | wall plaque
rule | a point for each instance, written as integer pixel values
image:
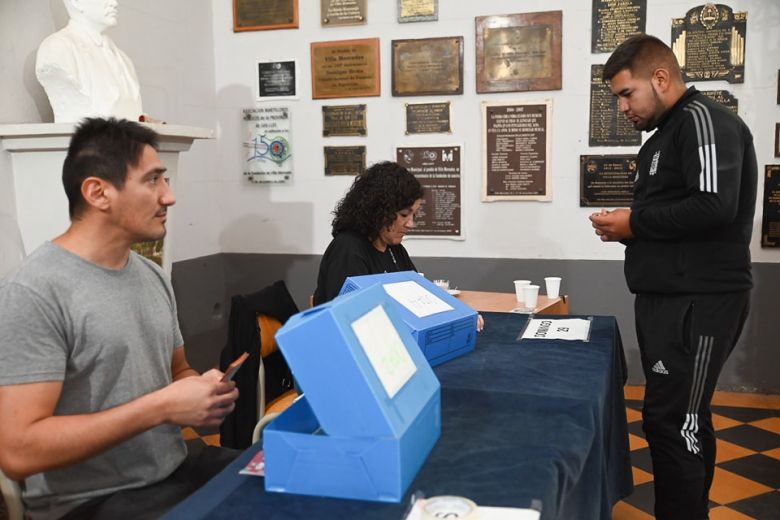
(710, 43)
(770, 222)
(615, 20)
(518, 52)
(267, 145)
(346, 68)
(428, 66)
(260, 15)
(607, 180)
(344, 160)
(276, 79)
(428, 118)
(342, 12)
(343, 120)
(418, 11)
(608, 127)
(724, 97)
(438, 170)
(516, 151)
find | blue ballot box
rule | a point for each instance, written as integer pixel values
(371, 409)
(443, 332)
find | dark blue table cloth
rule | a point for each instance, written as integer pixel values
(523, 423)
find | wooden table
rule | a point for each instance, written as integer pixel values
(505, 302)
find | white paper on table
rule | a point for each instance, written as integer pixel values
(485, 513)
(416, 298)
(574, 329)
(385, 350)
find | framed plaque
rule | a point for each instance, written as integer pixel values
(428, 66)
(516, 150)
(342, 12)
(344, 120)
(418, 11)
(607, 181)
(608, 127)
(428, 118)
(261, 15)
(276, 80)
(724, 97)
(518, 52)
(344, 160)
(710, 43)
(615, 20)
(267, 145)
(777, 139)
(438, 168)
(770, 221)
(346, 68)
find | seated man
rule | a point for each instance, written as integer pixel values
(94, 384)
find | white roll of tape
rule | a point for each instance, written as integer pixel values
(450, 507)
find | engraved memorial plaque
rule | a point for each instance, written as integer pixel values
(607, 181)
(519, 52)
(710, 43)
(342, 12)
(418, 11)
(428, 66)
(343, 120)
(428, 118)
(260, 15)
(724, 97)
(438, 170)
(770, 221)
(347, 68)
(344, 160)
(614, 21)
(276, 79)
(608, 127)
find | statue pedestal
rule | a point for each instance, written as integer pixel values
(37, 152)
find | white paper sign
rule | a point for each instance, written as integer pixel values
(575, 329)
(385, 350)
(416, 298)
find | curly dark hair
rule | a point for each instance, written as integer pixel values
(374, 199)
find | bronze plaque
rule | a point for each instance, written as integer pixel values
(607, 180)
(724, 97)
(343, 120)
(342, 12)
(345, 160)
(518, 52)
(428, 66)
(260, 15)
(428, 118)
(710, 43)
(615, 20)
(438, 170)
(418, 11)
(770, 222)
(608, 127)
(346, 68)
(516, 151)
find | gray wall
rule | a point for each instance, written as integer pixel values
(596, 287)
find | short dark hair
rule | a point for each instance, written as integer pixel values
(641, 54)
(375, 197)
(103, 148)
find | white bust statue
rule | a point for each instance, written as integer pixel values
(82, 71)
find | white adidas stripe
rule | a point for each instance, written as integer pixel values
(705, 134)
(701, 364)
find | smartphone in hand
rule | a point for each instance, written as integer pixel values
(234, 366)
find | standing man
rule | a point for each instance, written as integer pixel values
(687, 238)
(94, 384)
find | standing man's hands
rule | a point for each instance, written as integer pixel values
(199, 400)
(612, 226)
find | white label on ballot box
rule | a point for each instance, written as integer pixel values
(416, 298)
(385, 350)
(569, 329)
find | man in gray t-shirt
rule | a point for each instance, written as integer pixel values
(94, 384)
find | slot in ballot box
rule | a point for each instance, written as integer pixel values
(371, 407)
(443, 326)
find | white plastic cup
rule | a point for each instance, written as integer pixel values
(442, 284)
(553, 285)
(530, 296)
(519, 284)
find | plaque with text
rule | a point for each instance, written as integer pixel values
(519, 52)
(267, 145)
(342, 12)
(345, 160)
(418, 11)
(438, 170)
(428, 66)
(724, 97)
(607, 181)
(261, 15)
(516, 151)
(428, 118)
(276, 79)
(614, 21)
(710, 43)
(346, 68)
(608, 127)
(343, 120)
(770, 222)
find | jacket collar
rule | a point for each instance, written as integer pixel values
(684, 100)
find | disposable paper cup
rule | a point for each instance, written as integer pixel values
(530, 296)
(519, 284)
(553, 284)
